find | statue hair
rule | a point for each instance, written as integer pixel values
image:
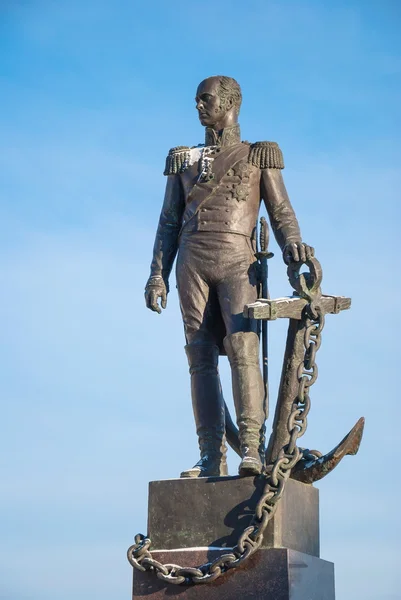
(230, 88)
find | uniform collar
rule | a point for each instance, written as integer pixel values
(225, 137)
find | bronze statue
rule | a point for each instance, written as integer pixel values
(209, 217)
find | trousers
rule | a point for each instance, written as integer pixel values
(216, 276)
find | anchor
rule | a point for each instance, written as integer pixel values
(312, 465)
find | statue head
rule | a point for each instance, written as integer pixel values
(218, 101)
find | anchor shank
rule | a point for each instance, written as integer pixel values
(288, 389)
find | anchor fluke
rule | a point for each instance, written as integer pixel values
(312, 468)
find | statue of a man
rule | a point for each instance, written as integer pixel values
(209, 216)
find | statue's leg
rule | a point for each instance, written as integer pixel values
(237, 288)
(197, 301)
(208, 407)
(243, 353)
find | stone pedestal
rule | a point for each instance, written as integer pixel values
(214, 511)
(192, 521)
(270, 574)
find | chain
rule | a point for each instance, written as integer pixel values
(276, 475)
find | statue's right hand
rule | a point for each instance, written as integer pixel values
(156, 288)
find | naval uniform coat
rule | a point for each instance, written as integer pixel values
(209, 216)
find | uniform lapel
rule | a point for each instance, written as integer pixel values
(203, 190)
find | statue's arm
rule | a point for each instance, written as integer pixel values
(282, 216)
(166, 243)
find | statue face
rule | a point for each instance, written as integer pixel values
(208, 102)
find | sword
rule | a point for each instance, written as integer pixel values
(263, 255)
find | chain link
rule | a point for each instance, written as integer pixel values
(276, 474)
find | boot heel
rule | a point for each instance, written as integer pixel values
(250, 467)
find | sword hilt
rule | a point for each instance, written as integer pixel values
(264, 240)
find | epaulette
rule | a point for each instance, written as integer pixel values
(266, 155)
(177, 160)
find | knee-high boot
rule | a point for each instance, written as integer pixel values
(208, 407)
(243, 354)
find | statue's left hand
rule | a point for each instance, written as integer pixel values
(297, 252)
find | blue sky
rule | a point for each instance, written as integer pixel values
(94, 388)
